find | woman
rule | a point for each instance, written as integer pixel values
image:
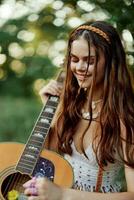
(94, 123)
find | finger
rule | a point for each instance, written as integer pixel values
(33, 198)
(49, 90)
(41, 182)
(30, 183)
(55, 85)
(31, 191)
(60, 86)
(53, 91)
(41, 179)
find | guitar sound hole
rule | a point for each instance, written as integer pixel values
(13, 184)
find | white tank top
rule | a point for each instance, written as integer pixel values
(86, 171)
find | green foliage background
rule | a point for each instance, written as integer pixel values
(19, 100)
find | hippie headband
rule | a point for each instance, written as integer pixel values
(95, 30)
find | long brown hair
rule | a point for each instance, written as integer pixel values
(118, 98)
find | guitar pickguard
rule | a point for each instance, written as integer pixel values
(44, 168)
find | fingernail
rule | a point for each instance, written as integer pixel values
(30, 183)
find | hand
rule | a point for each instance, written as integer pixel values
(42, 189)
(52, 88)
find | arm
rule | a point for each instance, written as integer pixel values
(49, 191)
(69, 194)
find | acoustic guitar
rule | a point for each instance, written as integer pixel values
(19, 162)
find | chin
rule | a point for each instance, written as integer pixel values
(84, 84)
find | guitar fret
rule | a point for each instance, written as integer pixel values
(34, 143)
(46, 117)
(38, 139)
(49, 109)
(37, 142)
(32, 150)
(40, 129)
(54, 99)
(29, 151)
(45, 120)
(50, 105)
(32, 159)
(24, 170)
(30, 156)
(47, 114)
(43, 133)
(25, 164)
(24, 160)
(38, 135)
(43, 125)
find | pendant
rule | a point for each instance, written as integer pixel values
(86, 115)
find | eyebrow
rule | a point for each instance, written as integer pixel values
(83, 57)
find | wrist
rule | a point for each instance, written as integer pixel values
(66, 194)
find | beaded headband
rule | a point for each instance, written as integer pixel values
(96, 30)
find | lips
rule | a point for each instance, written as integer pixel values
(82, 76)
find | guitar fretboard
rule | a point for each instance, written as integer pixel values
(36, 141)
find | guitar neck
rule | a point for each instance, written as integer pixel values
(35, 144)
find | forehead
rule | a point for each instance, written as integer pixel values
(80, 48)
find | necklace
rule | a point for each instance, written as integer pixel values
(87, 115)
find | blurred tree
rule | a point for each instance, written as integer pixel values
(33, 44)
(50, 24)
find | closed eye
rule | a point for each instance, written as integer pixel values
(74, 59)
(85, 59)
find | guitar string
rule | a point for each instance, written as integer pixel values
(5, 189)
(8, 185)
(24, 179)
(17, 180)
(14, 182)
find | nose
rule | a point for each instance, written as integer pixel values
(81, 65)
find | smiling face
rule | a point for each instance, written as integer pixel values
(79, 63)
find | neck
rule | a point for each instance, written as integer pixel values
(97, 93)
(97, 98)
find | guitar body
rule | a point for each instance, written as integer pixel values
(50, 165)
